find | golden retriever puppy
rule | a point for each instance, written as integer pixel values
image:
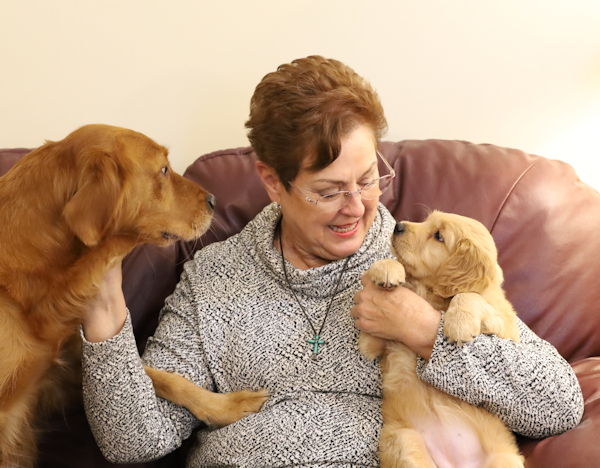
(451, 261)
(69, 211)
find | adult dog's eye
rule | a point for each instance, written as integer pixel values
(165, 170)
(438, 236)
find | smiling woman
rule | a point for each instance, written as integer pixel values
(315, 125)
(314, 234)
(272, 307)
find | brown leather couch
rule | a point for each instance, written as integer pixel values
(545, 221)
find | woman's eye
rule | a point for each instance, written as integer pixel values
(369, 183)
(165, 170)
(330, 196)
(438, 236)
(325, 192)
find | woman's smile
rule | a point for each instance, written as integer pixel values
(345, 230)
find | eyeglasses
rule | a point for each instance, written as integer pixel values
(336, 201)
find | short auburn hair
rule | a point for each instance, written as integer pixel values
(304, 109)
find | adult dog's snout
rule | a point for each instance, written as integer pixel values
(211, 201)
(399, 229)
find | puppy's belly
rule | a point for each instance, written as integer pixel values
(452, 445)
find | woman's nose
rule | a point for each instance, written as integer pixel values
(355, 206)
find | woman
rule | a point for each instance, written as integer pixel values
(274, 307)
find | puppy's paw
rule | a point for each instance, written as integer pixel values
(463, 319)
(370, 346)
(387, 273)
(458, 332)
(235, 405)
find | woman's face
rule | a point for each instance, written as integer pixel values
(313, 236)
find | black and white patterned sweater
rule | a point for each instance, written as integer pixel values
(232, 323)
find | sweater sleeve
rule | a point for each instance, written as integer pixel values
(528, 384)
(130, 423)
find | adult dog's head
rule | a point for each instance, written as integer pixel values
(448, 254)
(119, 182)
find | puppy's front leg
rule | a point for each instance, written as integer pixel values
(387, 274)
(215, 409)
(465, 315)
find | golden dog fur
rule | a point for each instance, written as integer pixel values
(451, 261)
(70, 211)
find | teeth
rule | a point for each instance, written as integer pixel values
(344, 229)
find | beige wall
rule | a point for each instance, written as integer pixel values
(519, 73)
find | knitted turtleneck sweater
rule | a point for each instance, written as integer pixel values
(232, 323)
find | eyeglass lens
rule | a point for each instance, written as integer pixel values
(338, 200)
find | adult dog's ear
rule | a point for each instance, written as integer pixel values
(98, 190)
(470, 268)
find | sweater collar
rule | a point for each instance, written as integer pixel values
(319, 281)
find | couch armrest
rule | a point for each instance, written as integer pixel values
(577, 448)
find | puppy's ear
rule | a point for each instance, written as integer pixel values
(99, 186)
(469, 269)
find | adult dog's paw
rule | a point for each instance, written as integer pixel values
(234, 406)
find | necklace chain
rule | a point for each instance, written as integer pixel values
(316, 341)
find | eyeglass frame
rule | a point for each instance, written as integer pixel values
(348, 194)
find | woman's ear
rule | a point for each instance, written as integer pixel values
(270, 180)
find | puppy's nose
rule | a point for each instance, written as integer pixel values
(399, 229)
(211, 201)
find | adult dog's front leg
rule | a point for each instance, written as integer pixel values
(215, 409)
(66, 302)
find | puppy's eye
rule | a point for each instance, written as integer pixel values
(438, 237)
(165, 170)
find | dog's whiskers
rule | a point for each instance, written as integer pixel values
(428, 210)
(217, 221)
(210, 228)
(149, 260)
(197, 237)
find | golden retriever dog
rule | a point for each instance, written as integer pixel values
(451, 261)
(69, 211)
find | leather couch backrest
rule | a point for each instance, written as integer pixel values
(545, 221)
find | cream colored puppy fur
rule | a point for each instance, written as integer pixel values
(451, 261)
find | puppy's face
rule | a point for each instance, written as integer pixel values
(448, 254)
(125, 186)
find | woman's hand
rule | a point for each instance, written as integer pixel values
(106, 316)
(396, 314)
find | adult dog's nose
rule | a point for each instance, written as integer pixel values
(211, 201)
(399, 229)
